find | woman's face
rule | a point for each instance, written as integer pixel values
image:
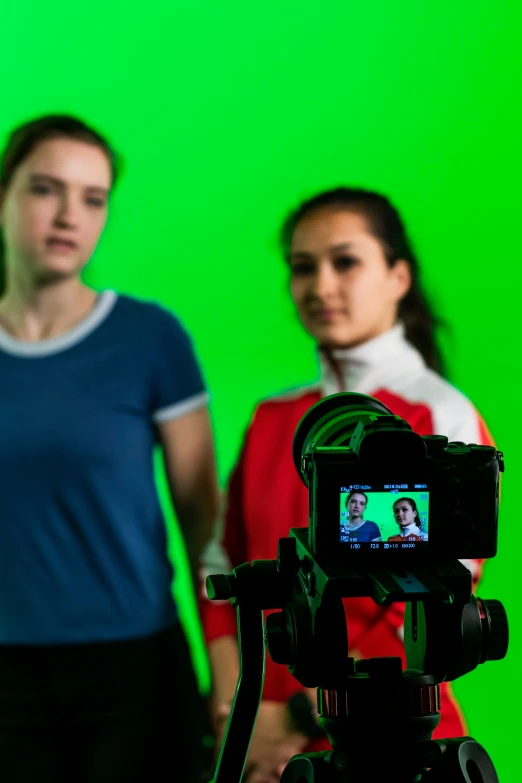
(55, 208)
(356, 506)
(342, 286)
(404, 514)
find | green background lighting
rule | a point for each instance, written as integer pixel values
(227, 115)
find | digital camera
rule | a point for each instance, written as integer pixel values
(380, 494)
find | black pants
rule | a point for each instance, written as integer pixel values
(121, 712)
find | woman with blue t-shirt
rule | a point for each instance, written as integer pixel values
(94, 665)
(357, 528)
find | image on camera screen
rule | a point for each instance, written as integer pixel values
(385, 516)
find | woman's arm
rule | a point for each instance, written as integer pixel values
(223, 656)
(190, 464)
(228, 550)
(376, 532)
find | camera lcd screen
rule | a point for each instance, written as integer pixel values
(384, 516)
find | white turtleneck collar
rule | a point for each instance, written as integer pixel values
(375, 364)
(409, 530)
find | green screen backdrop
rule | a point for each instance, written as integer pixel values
(227, 114)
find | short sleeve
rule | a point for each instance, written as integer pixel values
(177, 381)
(375, 532)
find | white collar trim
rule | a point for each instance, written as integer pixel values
(98, 314)
(382, 361)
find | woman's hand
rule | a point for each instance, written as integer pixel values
(273, 743)
(263, 774)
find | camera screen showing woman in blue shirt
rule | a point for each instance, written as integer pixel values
(355, 527)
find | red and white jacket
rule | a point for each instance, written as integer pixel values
(266, 497)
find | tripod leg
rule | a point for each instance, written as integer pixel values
(462, 761)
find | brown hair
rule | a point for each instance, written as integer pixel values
(26, 137)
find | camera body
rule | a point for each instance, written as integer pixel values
(390, 496)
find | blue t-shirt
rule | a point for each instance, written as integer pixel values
(368, 531)
(83, 549)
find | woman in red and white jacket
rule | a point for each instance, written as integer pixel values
(354, 282)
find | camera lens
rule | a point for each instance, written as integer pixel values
(331, 422)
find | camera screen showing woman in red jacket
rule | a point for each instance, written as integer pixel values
(407, 517)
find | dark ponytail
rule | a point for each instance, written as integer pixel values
(26, 137)
(386, 225)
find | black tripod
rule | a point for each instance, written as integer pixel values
(378, 718)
